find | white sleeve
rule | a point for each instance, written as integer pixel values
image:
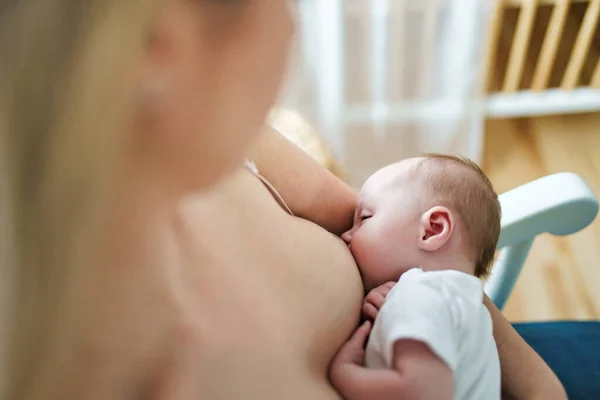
(416, 310)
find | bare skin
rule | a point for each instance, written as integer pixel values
(254, 304)
(400, 222)
(229, 310)
(417, 373)
(268, 334)
(524, 374)
(190, 281)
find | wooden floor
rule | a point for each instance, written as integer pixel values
(561, 277)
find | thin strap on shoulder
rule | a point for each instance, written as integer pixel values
(251, 166)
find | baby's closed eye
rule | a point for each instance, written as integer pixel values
(364, 215)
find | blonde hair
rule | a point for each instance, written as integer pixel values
(66, 75)
(473, 197)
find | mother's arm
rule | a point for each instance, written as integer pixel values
(317, 195)
(524, 374)
(310, 190)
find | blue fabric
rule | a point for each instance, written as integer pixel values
(572, 350)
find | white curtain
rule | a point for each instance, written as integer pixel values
(382, 80)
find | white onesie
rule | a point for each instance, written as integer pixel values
(443, 309)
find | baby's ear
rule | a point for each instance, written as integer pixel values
(435, 228)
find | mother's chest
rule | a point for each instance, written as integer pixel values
(242, 243)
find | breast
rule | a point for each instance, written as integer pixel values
(280, 292)
(323, 288)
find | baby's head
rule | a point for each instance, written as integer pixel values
(435, 212)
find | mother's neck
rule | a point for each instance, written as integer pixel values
(145, 215)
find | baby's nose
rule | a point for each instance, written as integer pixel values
(347, 236)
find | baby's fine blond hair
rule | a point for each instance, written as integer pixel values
(462, 186)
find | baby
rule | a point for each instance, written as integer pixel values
(432, 225)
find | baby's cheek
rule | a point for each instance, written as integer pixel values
(372, 260)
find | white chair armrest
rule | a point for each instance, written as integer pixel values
(559, 204)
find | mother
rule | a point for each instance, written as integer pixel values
(146, 263)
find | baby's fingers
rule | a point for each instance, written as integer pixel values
(353, 351)
(359, 337)
(376, 298)
(369, 311)
(386, 287)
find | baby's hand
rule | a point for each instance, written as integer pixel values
(375, 299)
(348, 364)
(353, 351)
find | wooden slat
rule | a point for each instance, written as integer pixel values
(596, 77)
(582, 45)
(550, 45)
(520, 3)
(519, 47)
(493, 41)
